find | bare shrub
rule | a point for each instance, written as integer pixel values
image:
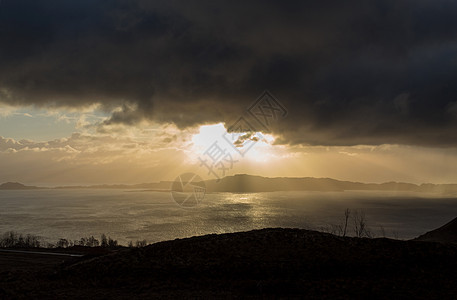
(360, 224)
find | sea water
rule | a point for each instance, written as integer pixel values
(130, 215)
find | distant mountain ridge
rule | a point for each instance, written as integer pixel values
(243, 183)
(249, 183)
(16, 186)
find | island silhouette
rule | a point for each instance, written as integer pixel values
(243, 183)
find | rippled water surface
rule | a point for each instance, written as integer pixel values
(154, 216)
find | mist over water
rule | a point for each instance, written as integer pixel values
(154, 216)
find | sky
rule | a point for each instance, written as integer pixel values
(106, 91)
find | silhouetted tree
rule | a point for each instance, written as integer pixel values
(112, 243)
(104, 241)
(32, 241)
(12, 239)
(92, 242)
(62, 243)
(142, 243)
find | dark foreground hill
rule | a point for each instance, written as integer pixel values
(262, 263)
(445, 234)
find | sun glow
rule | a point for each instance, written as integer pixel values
(254, 146)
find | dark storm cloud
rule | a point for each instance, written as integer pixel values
(349, 72)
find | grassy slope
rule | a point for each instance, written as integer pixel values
(268, 262)
(446, 233)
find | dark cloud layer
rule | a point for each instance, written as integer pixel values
(349, 72)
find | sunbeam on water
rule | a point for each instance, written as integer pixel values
(154, 216)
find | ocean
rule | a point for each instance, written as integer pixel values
(130, 215)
